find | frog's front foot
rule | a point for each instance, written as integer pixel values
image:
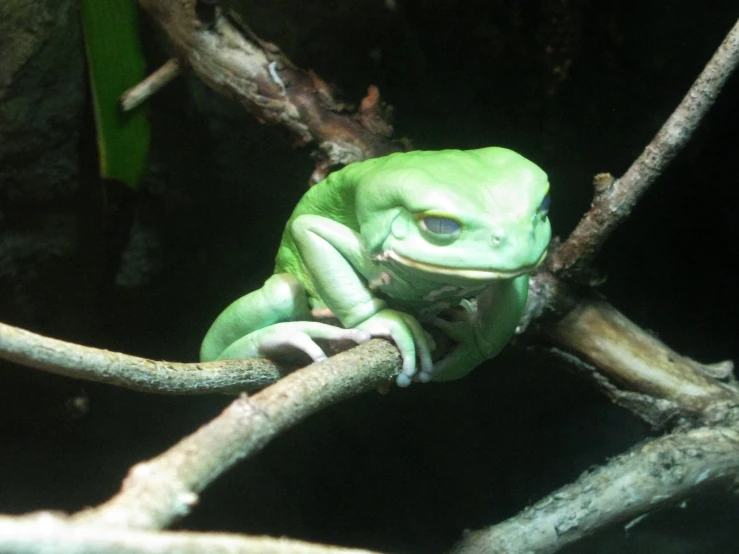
(409, 337)
(280, 340)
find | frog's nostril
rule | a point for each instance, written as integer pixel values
(497, 239)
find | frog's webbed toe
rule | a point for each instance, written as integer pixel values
(282, 340)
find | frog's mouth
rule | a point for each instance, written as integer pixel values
(466, 273)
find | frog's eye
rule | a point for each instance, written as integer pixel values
(440, 228)
(543, 210)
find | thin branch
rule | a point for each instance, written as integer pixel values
(46, 532)
(657, 474)
(157, 492)
(114, 368)
(135, 96)
(615, 200)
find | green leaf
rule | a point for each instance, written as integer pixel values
(116, 63)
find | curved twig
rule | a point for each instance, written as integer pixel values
(114, 368)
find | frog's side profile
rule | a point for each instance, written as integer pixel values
(397, 246)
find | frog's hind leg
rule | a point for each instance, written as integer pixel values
(269, 322)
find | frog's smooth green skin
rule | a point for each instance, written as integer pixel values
(395, 246)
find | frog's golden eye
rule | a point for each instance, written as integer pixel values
(440, 228)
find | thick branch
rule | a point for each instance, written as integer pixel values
(46, 532)
(634, 358)
(632, 366)
(656, 474)
(231, 59)
(614, 200)
(165, 488)
(114, 368)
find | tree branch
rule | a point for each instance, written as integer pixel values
(632, 366)
(46, 532)
(228, 57)
(114, 368)
(659, 473)
(637, 360)
(137, 95)
(614, 200)
(157, 492)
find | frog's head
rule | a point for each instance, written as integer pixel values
(475, 214)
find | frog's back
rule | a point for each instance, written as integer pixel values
(333, 198)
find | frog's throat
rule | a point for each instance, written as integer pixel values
(467, 273)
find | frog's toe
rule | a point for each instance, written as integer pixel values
(302, 335)
(424, 376)
(402, 380)
(355, 335)
(278, 343)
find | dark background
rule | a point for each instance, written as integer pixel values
(579, 87)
